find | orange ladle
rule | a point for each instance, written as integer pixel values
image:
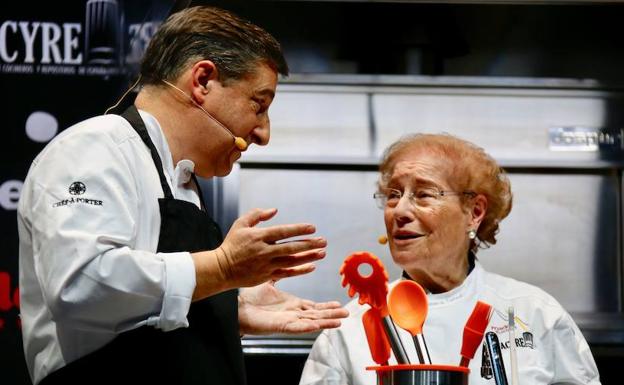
(408, 307)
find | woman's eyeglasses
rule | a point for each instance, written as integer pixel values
(425, 196)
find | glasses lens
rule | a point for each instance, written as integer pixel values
(380, 199)
(389, 197)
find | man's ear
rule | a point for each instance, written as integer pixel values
(203, 75)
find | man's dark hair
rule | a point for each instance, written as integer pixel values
(236, 46)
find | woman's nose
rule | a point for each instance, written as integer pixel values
(404, 210)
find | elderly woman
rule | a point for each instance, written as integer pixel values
(442, 198)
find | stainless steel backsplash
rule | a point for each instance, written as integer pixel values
(560, 141)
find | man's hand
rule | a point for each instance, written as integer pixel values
(250, 255)
(264, 309)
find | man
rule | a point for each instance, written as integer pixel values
(123, 277)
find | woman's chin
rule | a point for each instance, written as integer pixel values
(408, 260)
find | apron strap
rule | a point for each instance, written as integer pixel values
(131, 114)
(199, 192)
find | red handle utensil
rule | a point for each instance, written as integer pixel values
(473, 331)
(373, 290)
(377, 339)
(408, 306)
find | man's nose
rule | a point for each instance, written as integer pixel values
(262, 133)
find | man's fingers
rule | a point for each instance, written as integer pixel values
(298, 250)
(255, 216)
(277, 233)
(308, 326)
(327, 324)
(325, 314)
(298, 259)
(329, 305)
(293, 271)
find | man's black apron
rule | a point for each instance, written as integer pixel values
(207, 352)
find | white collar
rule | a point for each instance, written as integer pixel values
(467, 288)
(181, 174)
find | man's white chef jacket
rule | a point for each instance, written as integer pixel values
(89, 224)
(549, 346)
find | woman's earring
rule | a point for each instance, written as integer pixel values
(472, 233)
(383, 239)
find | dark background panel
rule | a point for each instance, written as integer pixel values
(39, 88)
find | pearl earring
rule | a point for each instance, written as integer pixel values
(472, 233)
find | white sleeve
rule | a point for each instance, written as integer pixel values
(323, 366)
(574, 363)
(91, 276)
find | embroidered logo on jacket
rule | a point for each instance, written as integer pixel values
(500, 325)
(77, 188)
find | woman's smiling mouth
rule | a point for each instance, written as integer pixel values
(406, 235)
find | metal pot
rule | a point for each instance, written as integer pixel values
(421, 375)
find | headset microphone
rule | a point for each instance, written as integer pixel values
(239, 142)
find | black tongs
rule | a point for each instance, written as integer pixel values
(496, 358)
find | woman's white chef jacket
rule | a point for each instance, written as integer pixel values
(549, 346)
(89, 221)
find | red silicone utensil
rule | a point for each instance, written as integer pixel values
(408, 306)
(473, 331)
(377, 340)
(373, 290)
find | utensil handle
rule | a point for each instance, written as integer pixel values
(496, 358)
(395, 341)
(514, 370)
(513, 358)
(424, 343)
(423, 354)
(419, 353)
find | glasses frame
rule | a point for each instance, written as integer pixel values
(380, 197)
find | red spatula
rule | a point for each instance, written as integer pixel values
(377, 340)
(473, 331)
